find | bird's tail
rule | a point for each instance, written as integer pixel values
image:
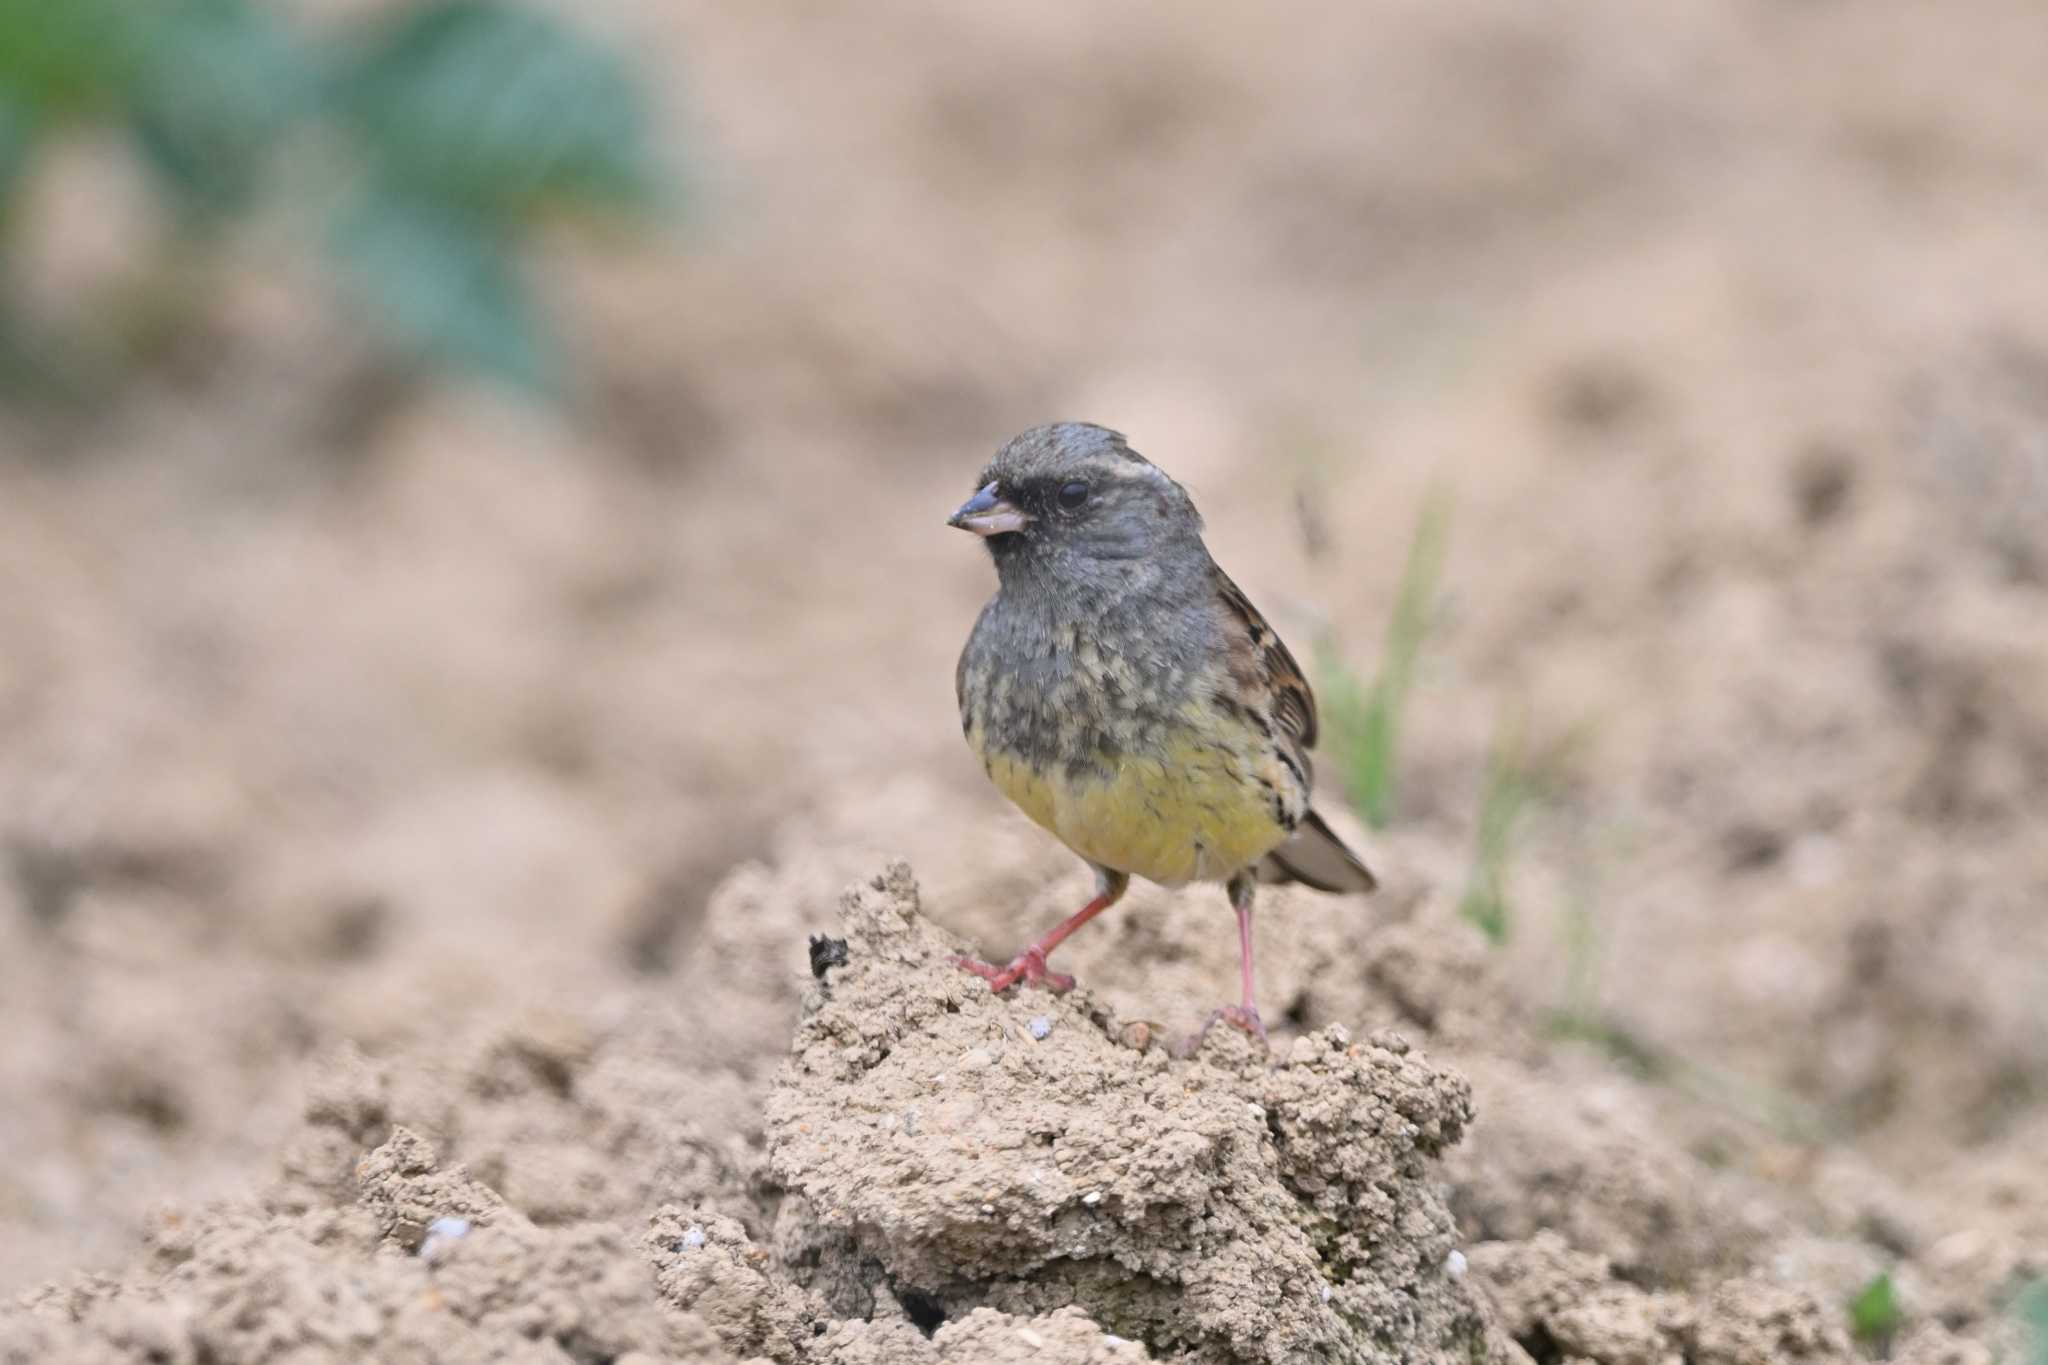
(1314, 856)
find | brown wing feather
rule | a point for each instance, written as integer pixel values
(1313, 854)
(1294, 704)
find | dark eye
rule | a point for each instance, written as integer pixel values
(1072, 495)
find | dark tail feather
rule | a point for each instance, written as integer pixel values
(1314, 856)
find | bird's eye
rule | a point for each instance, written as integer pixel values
(1072, 495)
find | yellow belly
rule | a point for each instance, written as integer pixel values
(1194, 815)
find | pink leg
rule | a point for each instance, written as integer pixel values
(1245, 1015)
(1029, 965)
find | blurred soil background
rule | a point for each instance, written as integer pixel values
(368, 721)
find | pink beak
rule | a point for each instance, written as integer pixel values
(986, 514)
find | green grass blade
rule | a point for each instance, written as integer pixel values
(1509, 787)
(1366, 721)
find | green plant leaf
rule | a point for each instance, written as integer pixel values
(444, 283)
(219, 83)
(2031, 1308)
(1874, 1314)
(502, 109)
(69, 59)
(17, 147)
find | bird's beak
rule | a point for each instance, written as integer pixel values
(985, 514)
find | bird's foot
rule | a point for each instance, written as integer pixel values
(1028, 967)
(1245, 1017)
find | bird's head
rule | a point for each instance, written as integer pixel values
(1070, 496)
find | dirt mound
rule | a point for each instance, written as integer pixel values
(1022, 1153)
(929, 1174)
(423, 1264)
(948, 1175)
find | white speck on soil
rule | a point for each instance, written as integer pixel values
(442, 1233)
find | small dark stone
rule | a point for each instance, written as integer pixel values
(826, 953)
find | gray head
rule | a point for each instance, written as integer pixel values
(1071, 496)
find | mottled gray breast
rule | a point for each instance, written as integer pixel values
(1077, 676)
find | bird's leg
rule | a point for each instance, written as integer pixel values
(1029, 965)
(1245, 1015)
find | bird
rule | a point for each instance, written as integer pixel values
(1127, 696)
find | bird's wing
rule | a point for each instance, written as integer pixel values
(1273, 684)
(1261, 661)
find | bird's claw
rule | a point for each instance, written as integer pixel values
(1245, 1017)
(1028, 967)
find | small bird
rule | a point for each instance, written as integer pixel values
(1124, 693)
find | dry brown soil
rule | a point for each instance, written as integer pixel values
(419, 811)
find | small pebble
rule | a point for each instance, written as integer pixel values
(693, 1237)
(1454, 1264)
(1030, 1338)
(1390, 1040)
(974, 1059)
(442, 1233)
(1328, 1293)
(1040, 1027)
(1092, 1198)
